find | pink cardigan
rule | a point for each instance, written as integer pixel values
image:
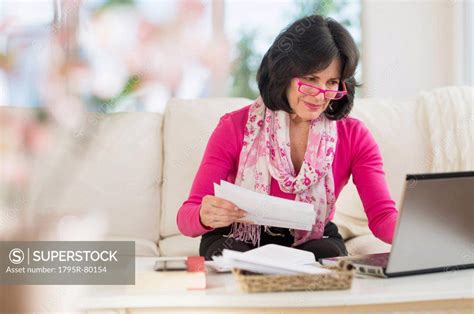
(357, 153)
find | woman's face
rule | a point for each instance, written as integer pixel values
(305, 107)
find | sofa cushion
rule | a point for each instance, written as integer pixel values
(180, 245)
(188, 125)
(143, 247)
(404, 148)
(366, 244)
(110, 163)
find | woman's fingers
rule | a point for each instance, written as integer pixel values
(219, 223)
(217, 212)
(229, 213)
(224, 222)
(222, 203)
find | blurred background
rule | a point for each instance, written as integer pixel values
(126, 55)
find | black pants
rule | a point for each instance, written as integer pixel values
(213, 243)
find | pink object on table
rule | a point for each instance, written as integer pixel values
(195, 263)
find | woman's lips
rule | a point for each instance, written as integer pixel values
(312, 107)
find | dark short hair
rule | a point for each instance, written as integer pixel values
(308, 45)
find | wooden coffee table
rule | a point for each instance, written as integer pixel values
(437, 292)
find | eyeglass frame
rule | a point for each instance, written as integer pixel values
(321, 90)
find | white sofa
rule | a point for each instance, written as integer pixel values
(138, 168)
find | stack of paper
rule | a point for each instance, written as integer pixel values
(270, 259)
(268, 210)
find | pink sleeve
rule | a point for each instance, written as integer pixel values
(219, 160)
(369, 178)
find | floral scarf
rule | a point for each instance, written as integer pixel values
(266, 154)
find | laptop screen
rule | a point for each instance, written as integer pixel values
(435, 227)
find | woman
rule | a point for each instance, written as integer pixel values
(295, 141)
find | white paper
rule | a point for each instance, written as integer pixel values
(263, 209)
(271, 259)
(218, 265)
(283, 254)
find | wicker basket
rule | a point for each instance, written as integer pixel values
(340, 278)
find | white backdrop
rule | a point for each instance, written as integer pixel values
(410, 46)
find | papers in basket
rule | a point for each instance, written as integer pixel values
(270, 259)
(268, 210)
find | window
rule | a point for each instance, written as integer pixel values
(251, 27)
(111, 55)
(24, 34)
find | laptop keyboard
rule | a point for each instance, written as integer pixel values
(373, 260)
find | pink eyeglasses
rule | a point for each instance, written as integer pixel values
(311, 90)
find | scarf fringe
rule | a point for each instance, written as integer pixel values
(246, 233)
(251, 233)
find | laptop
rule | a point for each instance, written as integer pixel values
(434, 232)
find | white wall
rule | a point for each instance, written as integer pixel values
(469, 35)
(414, 45)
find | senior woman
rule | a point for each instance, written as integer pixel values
(295, 141)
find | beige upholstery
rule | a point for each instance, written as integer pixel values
(187, 127)
(178, 245)
(111, 163)
(366, 243)
(402, 144)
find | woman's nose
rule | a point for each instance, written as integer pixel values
(320, 97)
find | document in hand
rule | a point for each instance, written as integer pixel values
(271, 259)
(268, 210)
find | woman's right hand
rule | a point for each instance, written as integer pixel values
(216, 212)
